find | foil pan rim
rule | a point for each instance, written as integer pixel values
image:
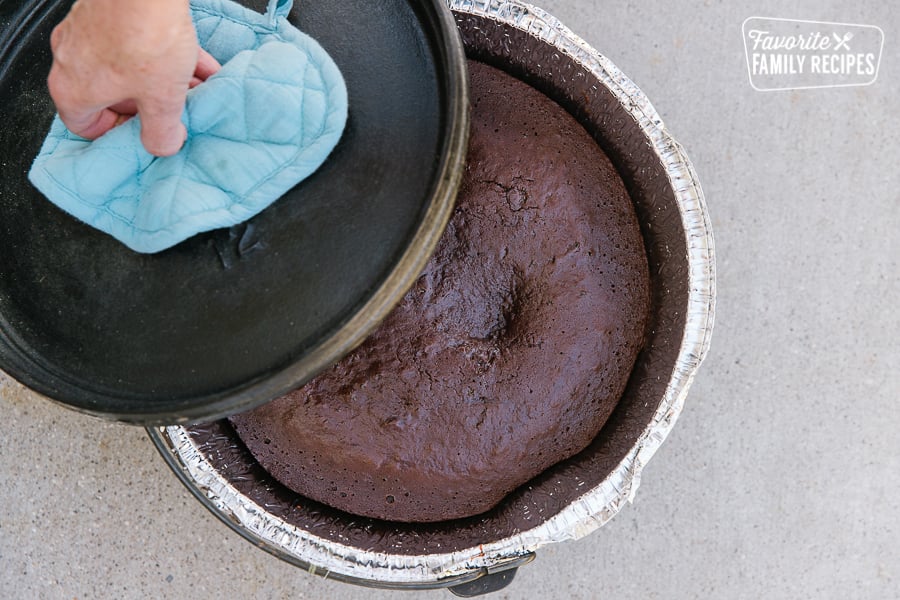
(598, 505)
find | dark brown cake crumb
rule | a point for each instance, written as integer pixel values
(507, 355)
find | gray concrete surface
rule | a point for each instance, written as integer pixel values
(781, 478)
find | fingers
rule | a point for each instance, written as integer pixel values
(124, 111)
(125, 108)
(81, 117)
(207, 66)
(162, 132)
(86, 121)
(95, 91)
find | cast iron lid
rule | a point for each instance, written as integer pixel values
(230, 319)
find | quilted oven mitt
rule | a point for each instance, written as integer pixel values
(264, 122)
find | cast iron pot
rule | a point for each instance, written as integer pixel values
(568, 501)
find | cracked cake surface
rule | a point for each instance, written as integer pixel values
(508, 353)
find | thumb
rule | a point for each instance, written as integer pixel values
(162, 132)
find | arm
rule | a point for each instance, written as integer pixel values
(115, 58)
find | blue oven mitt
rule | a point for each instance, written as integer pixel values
(256, 128)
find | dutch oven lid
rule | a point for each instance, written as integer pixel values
(230, 319)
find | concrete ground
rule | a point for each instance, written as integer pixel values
(781, 478)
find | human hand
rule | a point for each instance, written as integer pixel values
(113, 59)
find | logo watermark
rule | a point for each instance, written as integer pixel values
(789, 54)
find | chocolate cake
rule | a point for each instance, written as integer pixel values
(507, 355)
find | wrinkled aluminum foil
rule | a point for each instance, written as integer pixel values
(574, 498)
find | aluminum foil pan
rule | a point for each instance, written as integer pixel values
(579, 495)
